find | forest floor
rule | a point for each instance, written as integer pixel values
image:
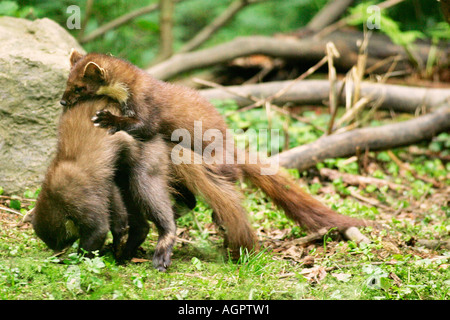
(407, 257)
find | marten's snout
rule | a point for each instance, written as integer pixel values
(63, 102)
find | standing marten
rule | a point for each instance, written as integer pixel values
(155, 107)
(81, 197)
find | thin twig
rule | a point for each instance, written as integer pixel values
(311, 237)
(332, 53)
(10, 210)
(216, 24)
(87, 15)
(406, 167)
(121, 21)
(286, 89)
(253, 98)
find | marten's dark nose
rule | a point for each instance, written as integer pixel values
(63, 102)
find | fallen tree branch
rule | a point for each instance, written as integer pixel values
(216, 24)
(315, 92)
(306, 49)
(434, 244)
(374, 138)
(328, 14)
(238, 47)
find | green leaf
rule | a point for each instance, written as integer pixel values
(197, 263)
(383, 156)
(440, 31)
(14, 203)
(137, 281)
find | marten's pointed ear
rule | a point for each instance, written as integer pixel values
(74, 57)
(93, 70)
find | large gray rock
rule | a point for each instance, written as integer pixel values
(33, 70)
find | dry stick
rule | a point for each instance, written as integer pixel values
(361, 65)
(357, 180)
(296, 117)
(286, 125)
(381, 63)
(253, 98)
(375, 138)
(264, 71)
(351, 233)
(215, 25)
(354, 104)
(10, 210)
(121, 21)
(358, 74)
(15, 197)
(372, 202)
(334, 114)
(332, 52)
(406, 167)
(286, 89)
(401, 99)
(311, 237)
(352, 113)
(166, 9)
(87, 15)
(381, 98)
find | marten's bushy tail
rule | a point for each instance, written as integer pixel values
(223, 198)
(298, 205)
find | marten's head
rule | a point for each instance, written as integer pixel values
(93, 75)
(52, 225)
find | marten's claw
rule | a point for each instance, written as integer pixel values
(105, 119)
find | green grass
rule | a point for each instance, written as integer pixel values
(201, 271)
(392, 267)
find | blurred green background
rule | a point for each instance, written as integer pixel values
(138, 39)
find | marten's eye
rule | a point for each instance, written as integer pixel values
(78, 89)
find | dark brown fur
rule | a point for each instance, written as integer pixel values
(78, 198)
(81, 189)
(156, 107)
(83, 186)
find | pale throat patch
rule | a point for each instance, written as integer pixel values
(117, 90)
(71, 228)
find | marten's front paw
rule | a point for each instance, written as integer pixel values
(105, 119)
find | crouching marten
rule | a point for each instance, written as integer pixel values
(79, 199)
